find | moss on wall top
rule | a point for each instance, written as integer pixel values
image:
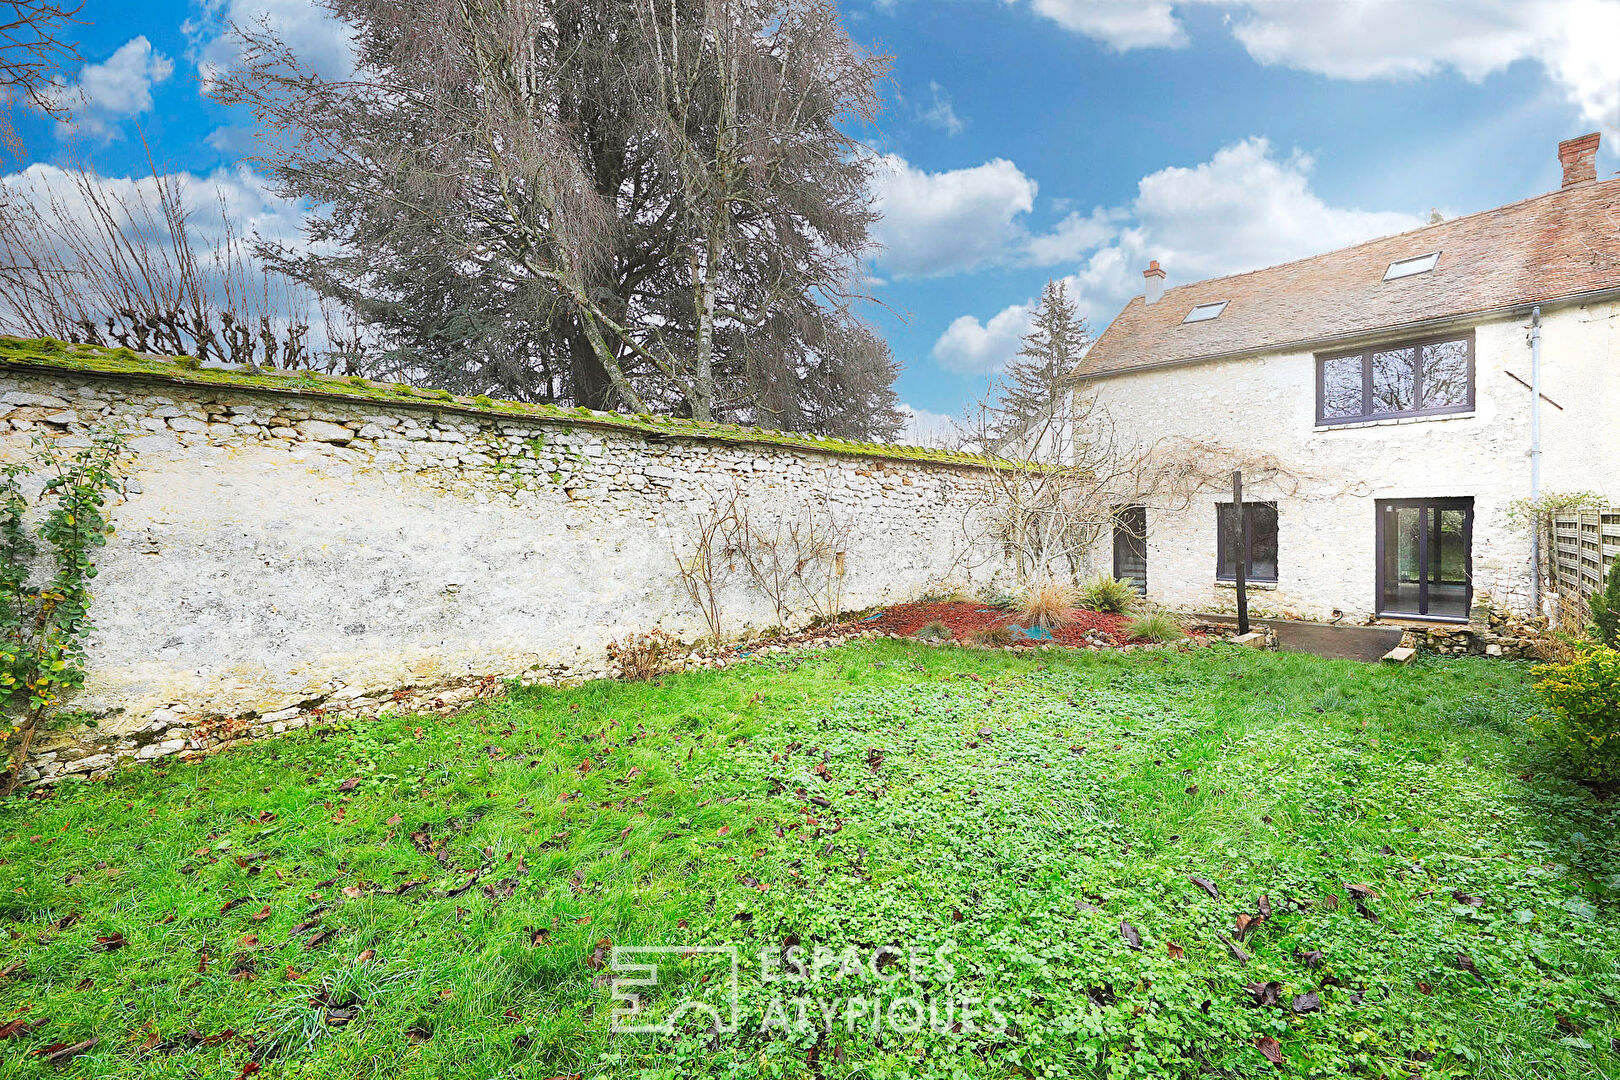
(46, 354)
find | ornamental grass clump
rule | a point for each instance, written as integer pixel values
(934, 630)
(992, 637)
(1047, 603)
(1155, 626)
(1108, 595)
(1583, 697)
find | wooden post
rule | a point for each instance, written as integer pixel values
(1242, 553)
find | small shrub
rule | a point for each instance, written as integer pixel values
(44, 625)
(933, 631)
(1159, 626)
(1048, 603)
(1584, 698)
(991, 637)
(1108, 595)
(641, 656)
(1606, 611)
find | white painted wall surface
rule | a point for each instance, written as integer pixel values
(1326, 527)
(283, 549)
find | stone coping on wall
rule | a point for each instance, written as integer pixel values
(44, 354)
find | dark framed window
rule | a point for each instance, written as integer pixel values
(1262, 541)
(1420, 378)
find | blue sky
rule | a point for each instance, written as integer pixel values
(1032, 139)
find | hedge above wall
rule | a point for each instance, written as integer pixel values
(45, 353)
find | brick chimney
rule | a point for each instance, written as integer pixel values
(1155, 281)
(1579, 158)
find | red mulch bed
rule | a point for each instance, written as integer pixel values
(964, 617)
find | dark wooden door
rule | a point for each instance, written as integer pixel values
(1130, 546)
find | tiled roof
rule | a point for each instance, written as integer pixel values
(1555, 245)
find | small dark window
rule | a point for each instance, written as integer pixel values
(1425, 378)
(1262, 541)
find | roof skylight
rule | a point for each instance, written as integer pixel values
(1206, 312)
(1421, 264)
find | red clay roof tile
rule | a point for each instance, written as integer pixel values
(1555, 245)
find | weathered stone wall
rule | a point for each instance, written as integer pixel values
(282, 554)
(1490, 631)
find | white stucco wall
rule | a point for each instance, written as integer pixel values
(279, 549)
(1326, 527)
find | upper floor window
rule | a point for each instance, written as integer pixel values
(1424, 378)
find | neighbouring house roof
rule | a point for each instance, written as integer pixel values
(1557, 245)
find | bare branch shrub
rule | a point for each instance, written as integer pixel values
(710, 560)
(770, 558)
(642, 656)
(102, 265)
(819, 542)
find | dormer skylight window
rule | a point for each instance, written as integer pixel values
(1421, 264)
(1206, 312)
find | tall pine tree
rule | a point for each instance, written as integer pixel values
(1033, 393)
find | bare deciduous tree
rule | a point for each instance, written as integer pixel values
(33, 50)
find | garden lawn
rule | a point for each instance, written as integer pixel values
(432, 897)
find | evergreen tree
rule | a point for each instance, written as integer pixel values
(1034, 390)
(1606, 611)
(612, 203)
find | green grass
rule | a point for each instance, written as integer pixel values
(1018, 806)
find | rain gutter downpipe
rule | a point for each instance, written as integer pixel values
(1535, 459)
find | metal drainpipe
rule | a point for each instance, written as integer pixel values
(1535, 459)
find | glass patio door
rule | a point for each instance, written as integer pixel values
(1425, 557)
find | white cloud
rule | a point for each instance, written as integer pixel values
(1574, 41)
(944, 223)
(925, 428)
(941, 113)
(119, 86)
(1245, 208)
(1121, 24)
(935, 224)
(1072, 236)
(323, 43)
(971, 347)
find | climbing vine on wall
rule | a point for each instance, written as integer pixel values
(44, 625)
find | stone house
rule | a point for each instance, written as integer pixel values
(1387, 388)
